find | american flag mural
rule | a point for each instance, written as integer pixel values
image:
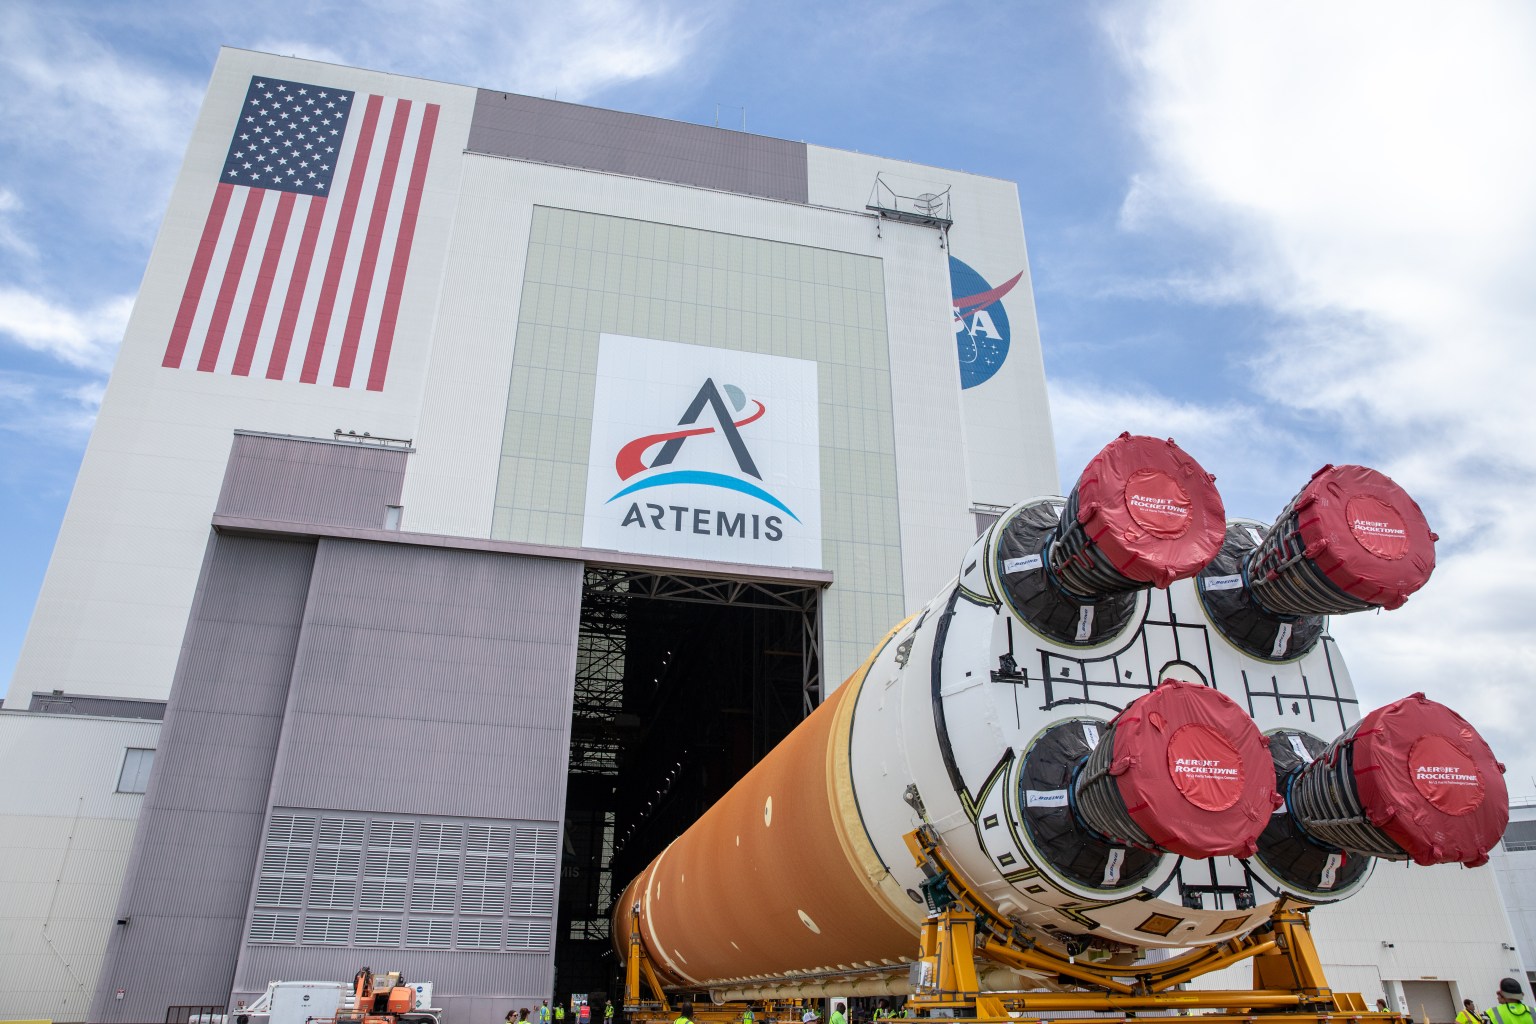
(300, 267)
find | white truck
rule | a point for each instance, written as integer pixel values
(298, 1002)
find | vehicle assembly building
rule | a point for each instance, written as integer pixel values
(487, 487)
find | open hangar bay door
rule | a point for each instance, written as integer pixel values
(683, 683)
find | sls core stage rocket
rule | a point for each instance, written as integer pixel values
(1122, 727)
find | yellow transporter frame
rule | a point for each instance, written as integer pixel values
(1288, 979)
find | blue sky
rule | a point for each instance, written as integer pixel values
(1283, 234)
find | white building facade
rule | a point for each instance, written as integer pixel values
(513, 290)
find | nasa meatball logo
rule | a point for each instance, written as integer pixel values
(981, 323)
(704, 453)
(630, 463)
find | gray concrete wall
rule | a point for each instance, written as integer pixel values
(303, 480)
(351, 684)
(436, 683)
(350, 679)
(547, 131)
(184, 899)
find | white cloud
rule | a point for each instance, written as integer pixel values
(1365, 172)
(571, 50)
(10, 236)
(84, 338)
(103, 132)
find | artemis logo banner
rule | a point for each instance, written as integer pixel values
(303, 254)
(704, 453)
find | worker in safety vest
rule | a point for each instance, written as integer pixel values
(747, 1017)
(838, 1015)
(682, 1015)
(1511, 1008)
(560, 1013)
(608, 1011)
(1469, 1014)
(544, 1012)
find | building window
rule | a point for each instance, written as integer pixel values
(134, 776)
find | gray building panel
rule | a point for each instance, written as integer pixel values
(307, 481)
(478, 671)
(548, 131)
(455, 670)
(208, 883)
(198, 944)
(263, 660)
(194, 851)
(437, 682)
(438, 767)
(333, 679)
(60, 703)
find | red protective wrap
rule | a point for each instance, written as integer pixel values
(1151, 509)
(1194, 771)
(1429, 781)
(1366, 534)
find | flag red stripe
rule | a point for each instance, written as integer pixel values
(296, 282)
(225, 303)
(257, 311)
(391, 310)
(338, 254)
(182, 326)
(353, 330)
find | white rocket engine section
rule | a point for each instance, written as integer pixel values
(1125, 720)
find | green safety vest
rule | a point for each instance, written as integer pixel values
(559, 1013)
(1509, 1013)
(608, 1012)
(746, 1017)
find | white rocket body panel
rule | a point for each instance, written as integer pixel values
(985, 727)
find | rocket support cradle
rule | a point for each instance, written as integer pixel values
(1057, 766)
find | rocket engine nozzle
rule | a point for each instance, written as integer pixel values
(1143, 513)
(1411, 780)
(1182, 769)
(1351, 539)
